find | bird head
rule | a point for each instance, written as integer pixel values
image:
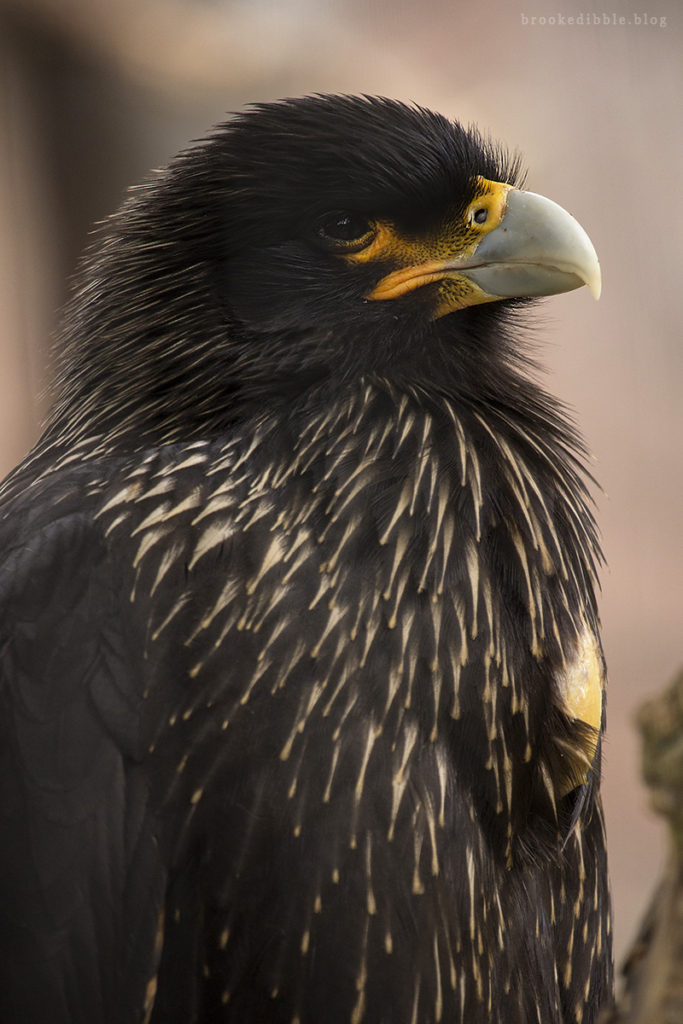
(315, 239)
(345, 201)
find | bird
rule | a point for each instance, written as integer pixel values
(301, 678)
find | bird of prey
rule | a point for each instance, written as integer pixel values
(301, 683)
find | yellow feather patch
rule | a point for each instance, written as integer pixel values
(581, 687)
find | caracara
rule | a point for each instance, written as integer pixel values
(301, 680)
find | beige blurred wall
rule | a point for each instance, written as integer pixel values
(94, 94)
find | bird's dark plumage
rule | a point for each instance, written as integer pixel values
(300, 674)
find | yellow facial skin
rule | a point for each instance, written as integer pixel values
(424, 260)
(507, 243)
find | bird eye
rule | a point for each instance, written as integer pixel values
(345, 229)
(480, 216)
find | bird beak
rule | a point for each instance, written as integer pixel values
(537, 249)
(527, 246)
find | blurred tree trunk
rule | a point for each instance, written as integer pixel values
(653, 971)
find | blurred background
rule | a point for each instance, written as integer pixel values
(94, 93)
